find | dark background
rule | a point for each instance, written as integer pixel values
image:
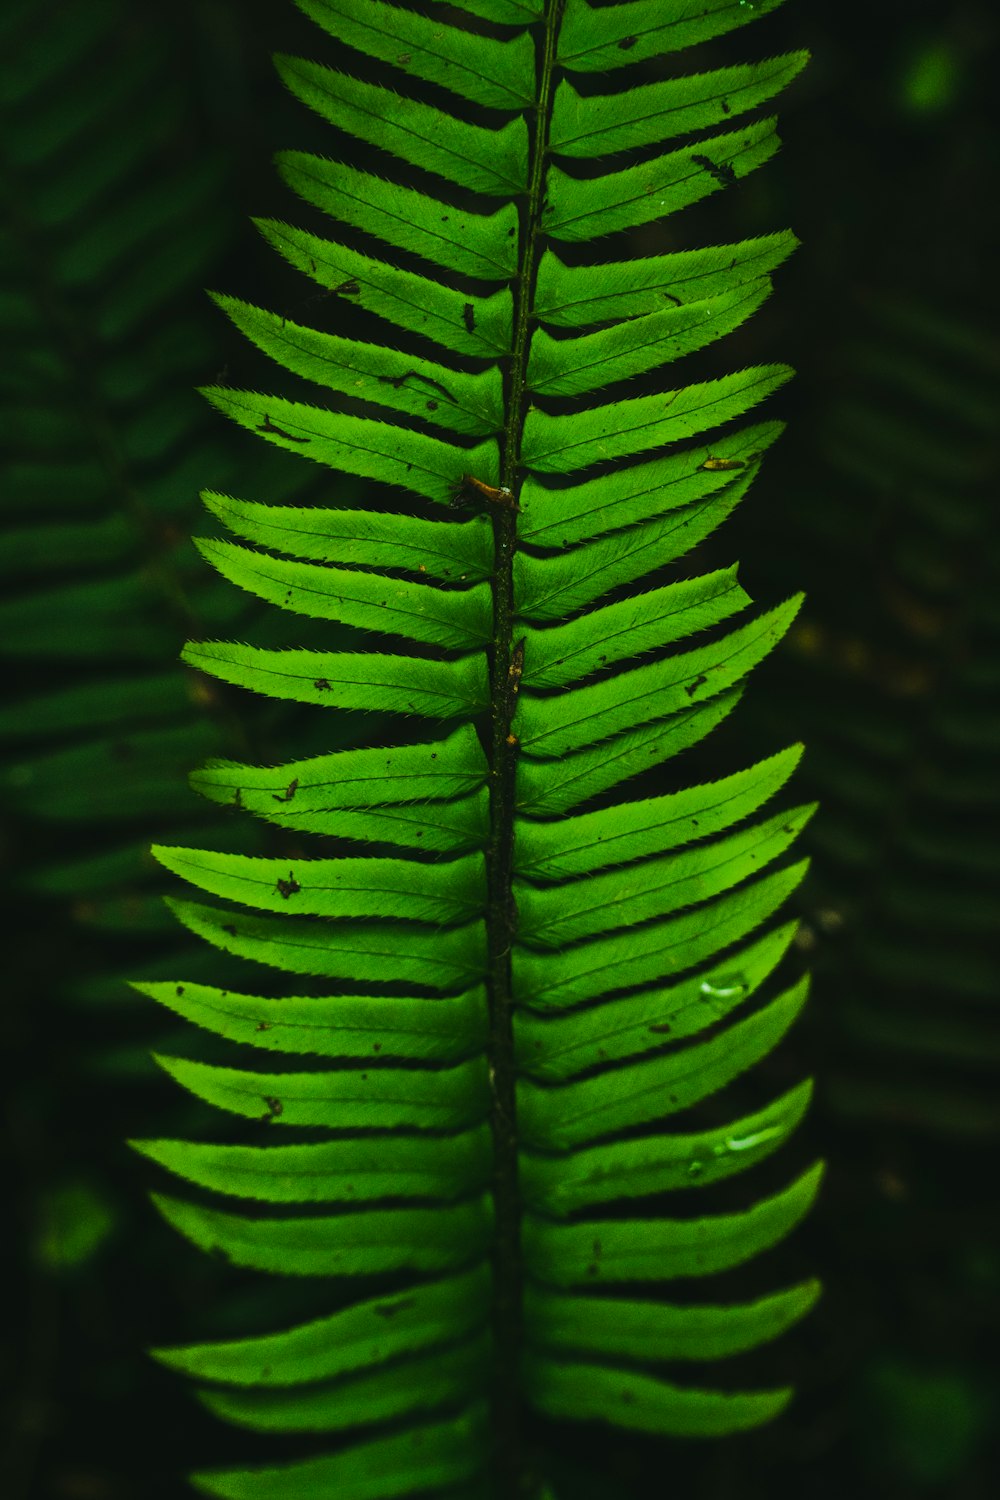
(878, 502)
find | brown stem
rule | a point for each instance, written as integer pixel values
(510, 1471)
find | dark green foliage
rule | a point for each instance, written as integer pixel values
(115, 208)
(903, 897)
(878, 504)
(530, 937)
(102, 437)
(910, 865)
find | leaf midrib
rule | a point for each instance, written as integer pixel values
(506, 1395)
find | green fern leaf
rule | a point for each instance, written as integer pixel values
(482, 244)
(587, 1175)
(597, 125)
(555, 726)
(582, 209)
(355, 1171)
(593, 841)
(372, 450)
(556, 1046)
(363, 539)
(625, 496)
(469, 404)
(622, 1250)
(343, 1026)
(417, 956)
(461, 321)
(494, 162)
(406, 685)
(592, 43)
(499, 74)
(357, 1338)
(525, 999)
(391, 1100)
(412, 1385)
(427, 1458)
(574, 296)
(368, 601)
(362, 1243)
(598, 359)
(632, 1329)
(567, 442)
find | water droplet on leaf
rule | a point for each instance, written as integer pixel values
(751, 1141)
(723, 991)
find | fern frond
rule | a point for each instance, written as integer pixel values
(521, 1010)
(115, 212)
(100, 583)
(902, 912)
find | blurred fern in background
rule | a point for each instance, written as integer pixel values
(116, 209)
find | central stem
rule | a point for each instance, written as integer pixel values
(511, 1480)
